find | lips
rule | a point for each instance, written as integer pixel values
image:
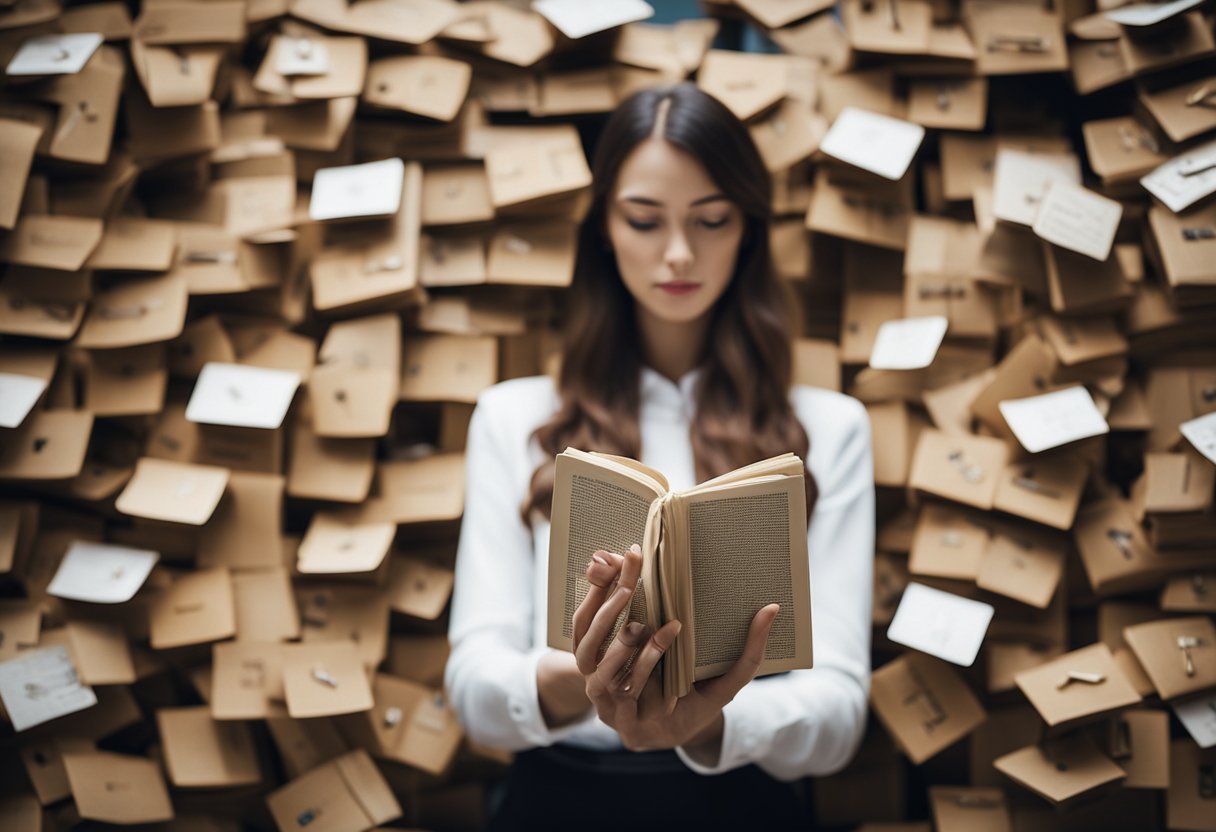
(679, 287)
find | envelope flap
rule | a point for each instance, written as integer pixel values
(117, 788)
(171, 22)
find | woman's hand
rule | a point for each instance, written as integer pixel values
(620, 683)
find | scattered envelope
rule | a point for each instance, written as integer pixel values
(1021, 180)
(873, 142)
(18, 395)
(941, 624)
(54, 54)
(1201, 433)
(1198, 716)
(1149, 14)
(101, 573)
(242, 396)
(1078, 219)
(1185, 179)
(368, 190)
(909, 343)
(178, 492)
(40, 686)
(1053, 419)
(301, 56)
(578, 18)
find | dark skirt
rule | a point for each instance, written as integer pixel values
(563, 787)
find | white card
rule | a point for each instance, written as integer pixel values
(241, 396)
(941, 624)
(1021, 179)
(301, 56)
(873, 142)
(101, 573)
(1148, 14)
(1053, 419)
(908, 343)
(18, 395)
(1201, 433)
(578, 18)
(368, 190)
(42, 685)
(54, 54)
(1198, 717)
(1078, 219)
(1185, 179)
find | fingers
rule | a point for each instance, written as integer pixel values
(648, 657)
(604, 619)
(602, 572)
(619, 659)
(724, 688)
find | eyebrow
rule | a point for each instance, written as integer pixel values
(644, 200)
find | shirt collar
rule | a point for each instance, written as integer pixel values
(665, 398)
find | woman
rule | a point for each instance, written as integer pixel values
(677, 352)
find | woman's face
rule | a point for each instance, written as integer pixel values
(674, 233)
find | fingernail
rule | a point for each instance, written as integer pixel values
(634, 629)
(599, 559)
(636, 549)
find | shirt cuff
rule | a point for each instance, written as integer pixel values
(523, 705)
(741, 744)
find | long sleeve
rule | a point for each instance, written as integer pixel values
(810, 722)
(491, 672)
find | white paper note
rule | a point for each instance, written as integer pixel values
(101, 573)
(1198, 716)
(1149, 14)
(873, 142)
(18, 395)
(1201, 433)
(42, 685)
(54, 54)
(1078, 219)
(1053, 419)
(578, 18)
(908, 343)
(1185, 179)
(301, 56)
(242, 396)
(1021, 179)
(941, 624)
(368, 190)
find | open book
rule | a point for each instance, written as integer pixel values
(712, 556)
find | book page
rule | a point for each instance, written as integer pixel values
(747, 548)
(594, 507)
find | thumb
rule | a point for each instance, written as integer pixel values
(724, 688)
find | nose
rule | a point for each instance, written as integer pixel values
(678, 255)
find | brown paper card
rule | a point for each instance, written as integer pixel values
(878, 218)
(873, 295)
(1004, 660)
(51, 242)
(521, 175)
(173, 491)
(949, 542)
(448, 367)
(924, 704)
(424, 85)
(419, 658)
(196, 608)
(43, 762)
(331, 546)
(17, 142)
(244, 532)
(1181, 245)
(1023, 563)
(1061, 703)
(247, 680)
(532, 254)
(330, 469)
(324, 679)
(349, 792)
(1139, 742)
(135, 244)
(99, 651)
(1047, 490)
(1185, 38)
(964, 469)
(942, 255)
(1000, 30)
(959, 808)
(1120, 149)
(949, 103)
(203, 753)
(425, 490)
(748, 84)
(265, 605)
(20, 620)
(418, 587)
(1158, 646)
(355, 615)
(901, 29)
(455, 194)
(49, 445)
(135, 311)
(126, 382)
(174, 22)
(1026, 370)
(117, 788)
(410, 724)
(1189, 801)
(1078, 340)
(1190, 593)
(453, 260)
(178, 76)
(1061, 770)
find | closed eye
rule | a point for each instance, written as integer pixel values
(641, 226)
(715, 223)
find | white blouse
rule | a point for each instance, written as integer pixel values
(806, 722)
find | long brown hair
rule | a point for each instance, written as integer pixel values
(743, 412)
